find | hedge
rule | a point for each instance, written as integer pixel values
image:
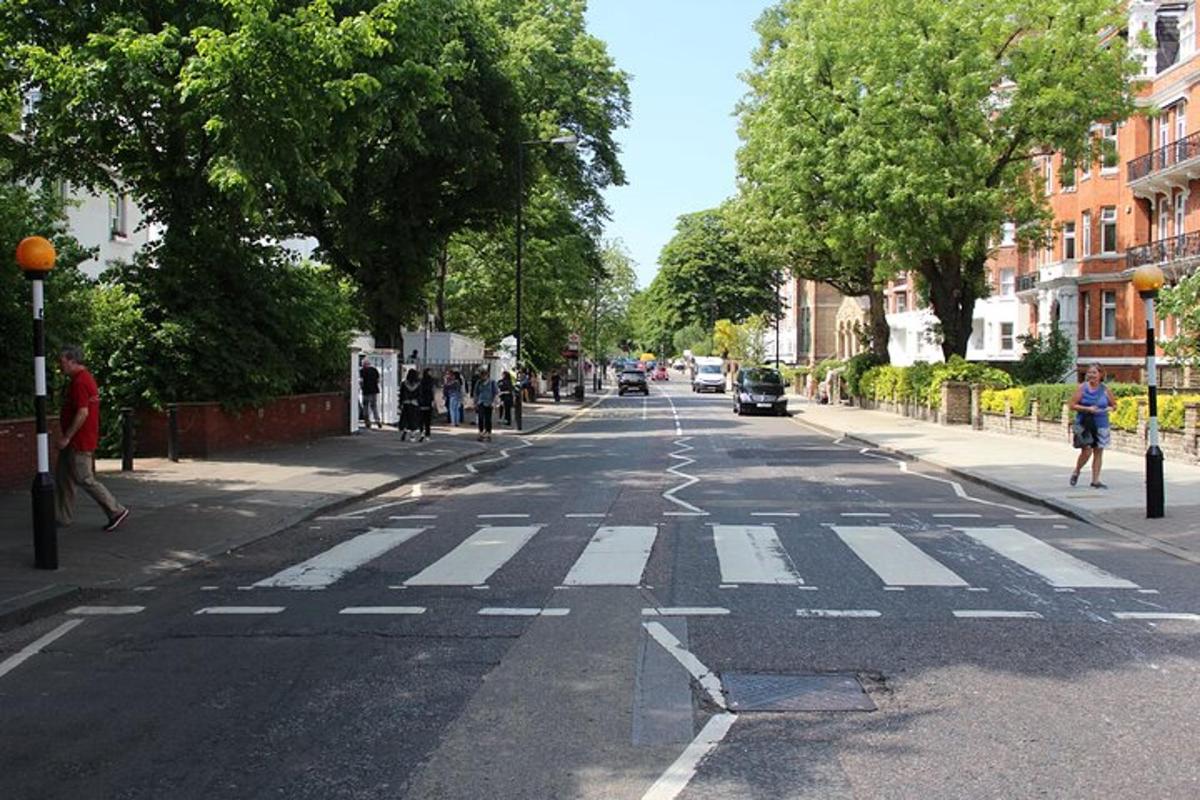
(922, 382)
(1053, 396)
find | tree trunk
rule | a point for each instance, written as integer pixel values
(953, 300)
(880, 332)
(439, 300)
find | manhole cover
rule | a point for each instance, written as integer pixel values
(829, 692)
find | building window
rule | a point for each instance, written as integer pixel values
(1006, 336)
(1108, 319)
(1164, 217)
(805, 337)
(1110, 160)
(1086, 225)
(1085, 324)
(1008, 235)
(1166, 34)
(1066, 174)
(1108, 229)
(901, 302)
(1008, 281)
(1180, 212)
(1069, 241)
(118, 216)
(1049, 175)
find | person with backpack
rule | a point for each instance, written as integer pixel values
(410, 411)
(485, 393)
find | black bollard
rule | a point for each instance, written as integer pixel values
(127, 440)
(173, 432)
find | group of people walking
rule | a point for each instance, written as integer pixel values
(418, 392)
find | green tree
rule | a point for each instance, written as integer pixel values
(1182, 302)
(939, 107)
(1047, 359)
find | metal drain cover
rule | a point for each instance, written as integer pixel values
(825, 692)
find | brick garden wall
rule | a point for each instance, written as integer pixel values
(18, 451)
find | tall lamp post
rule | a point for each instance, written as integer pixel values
(570, 142)
(35, 257)
(1148, 279)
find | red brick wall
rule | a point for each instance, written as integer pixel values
(18, 451)
(206, 428)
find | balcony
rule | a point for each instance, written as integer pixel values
(1165, 168)
(1178, 253)
(1027, 282)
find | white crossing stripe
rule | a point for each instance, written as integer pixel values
(524, 612)
(616, 556)
(1056, 567)
(383, 610)
(995, 614)
(893, 558)
(241, 610)
(474, 561)
(685, 611)
(848, 613)
(1157, 615)
(96, 611)
(325, 568)
(753, 554)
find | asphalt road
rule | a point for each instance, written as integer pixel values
(600, 613)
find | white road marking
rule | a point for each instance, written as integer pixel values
(674, 415)
(685, 513)
(241, 610)
(893, 558)
(502, 516)
(893, 588)
(145, 588)
(97, 611)
(866, 514)
(685, 611)
(976, 589)
(383, 610)
(688, 480)
(753, 554)
(774, 513)
(615, 556)
(1053, 565)
(700, 673)
(1147, 591)
(414, 516)
(1039, 516)
(957, 516)
(645, 404)
(476, 558)
(599, 515)
(33, 648)
(847, 613)
(978, 614)
(209, 588)
(1152, 615)
(680, 773)
(524, 612)
(504, 453)
(326, 568)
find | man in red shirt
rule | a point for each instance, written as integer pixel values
(80, 423)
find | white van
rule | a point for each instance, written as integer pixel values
(709, 374)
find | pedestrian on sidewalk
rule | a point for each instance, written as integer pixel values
(425, 393)
(368, 381)
(1092, 434)
(410, 412)
(485, 394)
(506, 397)
(556, 385)
(453, 392)
(79, 421)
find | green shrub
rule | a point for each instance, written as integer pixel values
(856, 369)
(823, 367)
(993, 400)
(1051, 398)
(1125, 416)
(915, 380)
(959, 369)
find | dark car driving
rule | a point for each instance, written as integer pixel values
(632, 380)
(759, 389)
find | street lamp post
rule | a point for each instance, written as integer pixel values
(1148, 279)
(596, 358)
(569, 141)
(35, 257)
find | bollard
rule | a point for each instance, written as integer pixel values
(127, 440)
(173, 432)
(517, 403)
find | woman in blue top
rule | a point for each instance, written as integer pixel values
(1091, 402)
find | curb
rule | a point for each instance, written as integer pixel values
(25, 608)
(1066, 509)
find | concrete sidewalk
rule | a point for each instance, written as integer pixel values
(1034, 469)
(186, 512)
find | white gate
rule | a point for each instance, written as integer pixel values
(387, 362)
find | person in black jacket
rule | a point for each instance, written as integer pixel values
(425, 394)
(410, 411)
(368, 379)
(506, 397)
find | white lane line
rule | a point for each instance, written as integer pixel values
(1053, 565)
(209, 588)
(383, 610)
(688, 480)
(753, 554)
(685, 513)
(414, 516)
(685, 611)
(680, 773)
(523, 612)
(615, 556)
(1151, 615)
(145, 588)
(957, 516)
(33, 648)
(502, 516)
(893, 558)
(774, 513)
(476, 558)
(700, 673)
(599, 515)
(846, 613)
(326, 568)
(241, 610)
(1147, 591)
(674, 415)
(866, 514)
(995, 614)
(97, 611)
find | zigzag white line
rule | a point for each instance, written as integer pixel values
(688, 480)
(503, 455)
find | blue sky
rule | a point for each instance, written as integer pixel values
(678, 151)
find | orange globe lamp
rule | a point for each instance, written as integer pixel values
(35, 255)
(1148, 279)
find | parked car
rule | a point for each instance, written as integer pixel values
(678, 365)
(759, 390)
(660, 373)
(709, 375)
(632, 380)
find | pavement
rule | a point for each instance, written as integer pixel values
(186, 512)
(1032, 469)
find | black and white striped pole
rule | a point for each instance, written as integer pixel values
(1148, 280)
(35, 257)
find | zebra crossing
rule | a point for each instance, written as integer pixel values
(745, 555)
